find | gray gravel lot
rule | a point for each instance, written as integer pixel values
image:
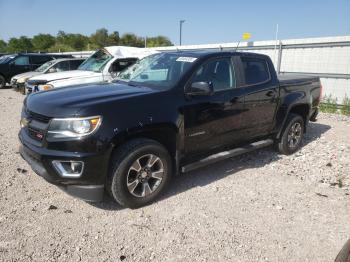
(258, 207)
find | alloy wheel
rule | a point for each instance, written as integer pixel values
(145, 175)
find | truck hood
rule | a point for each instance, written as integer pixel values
(27, 75)
(71, 101)
(64, 75)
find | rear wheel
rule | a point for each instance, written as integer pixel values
(292, 135)
(140, 171)
(2, 82)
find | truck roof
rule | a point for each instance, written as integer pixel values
(127, 51)
(209, 53)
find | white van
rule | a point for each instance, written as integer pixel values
(102, 66)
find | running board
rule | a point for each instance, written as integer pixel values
(227, 154)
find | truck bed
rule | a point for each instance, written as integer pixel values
(292, 78)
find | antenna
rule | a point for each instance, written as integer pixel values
(237, 45)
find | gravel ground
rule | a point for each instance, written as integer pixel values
(258, 207)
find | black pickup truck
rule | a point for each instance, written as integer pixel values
(169, 113)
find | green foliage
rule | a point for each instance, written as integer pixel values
(329, 104)
(130, 39)
(42, 42)
(22, 44)
(345, 109)
(64, 42)
(3, 46)
(158, 41)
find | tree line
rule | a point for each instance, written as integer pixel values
(66, 42)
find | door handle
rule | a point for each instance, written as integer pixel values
(270, 93)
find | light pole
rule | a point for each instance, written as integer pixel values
(181, 22)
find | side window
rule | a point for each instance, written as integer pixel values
(219, 72)
(62, 66)
(74, 64)
(121, 64)
(255, 70)
(22, 60)
(39, 59)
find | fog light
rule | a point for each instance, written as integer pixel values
(68, 168)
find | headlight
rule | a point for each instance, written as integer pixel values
(22, 79)
(72, 128)
(45, 87)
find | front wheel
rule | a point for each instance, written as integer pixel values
(292, 135)
(140, 171)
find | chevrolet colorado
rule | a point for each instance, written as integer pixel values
(168, 113)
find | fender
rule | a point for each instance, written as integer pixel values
(291, 101)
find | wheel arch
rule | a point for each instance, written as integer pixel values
(166, 134)
(302, 109)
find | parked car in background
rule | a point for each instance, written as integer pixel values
(170, 112)
(14, 64)
(53, 66)
(102, 66)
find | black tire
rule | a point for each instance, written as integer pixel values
(284, 144)
(344, 254)
(2, 82)
(121, 169)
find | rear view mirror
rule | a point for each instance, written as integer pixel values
(201, 89)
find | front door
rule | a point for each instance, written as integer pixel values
(211, 121)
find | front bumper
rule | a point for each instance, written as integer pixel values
(89, 187)
(18, 87)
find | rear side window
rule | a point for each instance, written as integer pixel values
(74, 64)
(219, 72)
(62, 66)
(39, 60)
(122, 64)
(255, 70)
(22, 60)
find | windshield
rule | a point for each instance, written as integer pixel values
(4, 59)
(159, 70)
(96, 62)
(45, 66)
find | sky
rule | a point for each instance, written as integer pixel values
(207, 21)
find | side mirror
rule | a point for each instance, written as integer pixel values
(52, 70)
(201, 89)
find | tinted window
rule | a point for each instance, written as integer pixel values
(219, 72)
(61, 66)
(74, 64)
(22, 60)
(39, 60)
(255, 70)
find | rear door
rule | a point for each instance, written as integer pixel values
(261, 95)
(212, 121)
